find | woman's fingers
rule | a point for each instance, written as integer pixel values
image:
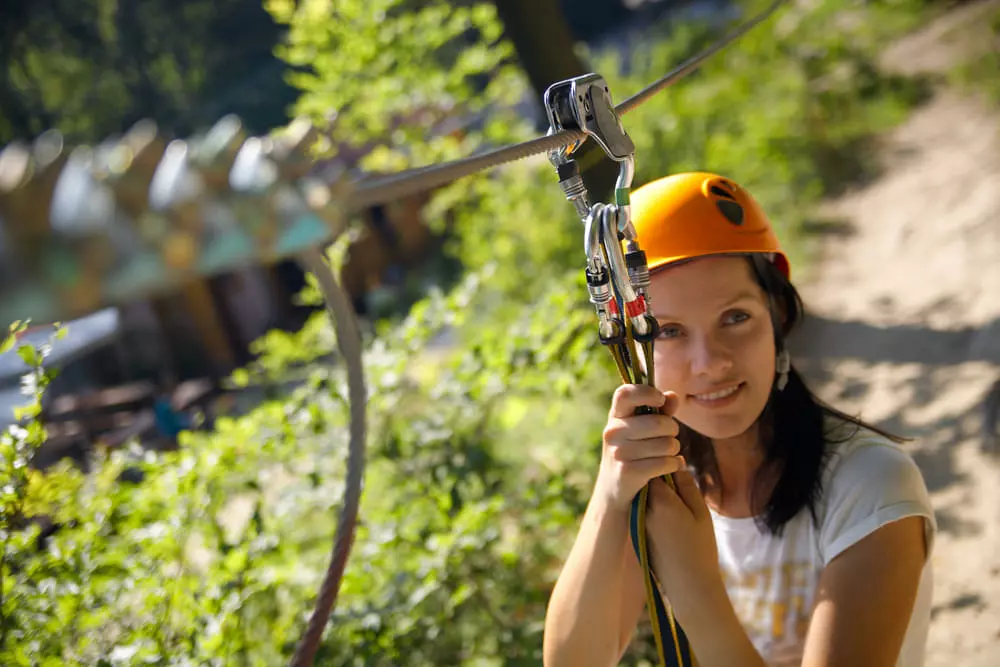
(640, 427)
(638, 448)
(628, 397)
(671, 402)
(689, 492)
(647, 469)
(650, 448)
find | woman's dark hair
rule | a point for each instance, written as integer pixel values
(793, 424)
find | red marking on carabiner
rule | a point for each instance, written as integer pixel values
(636, 307)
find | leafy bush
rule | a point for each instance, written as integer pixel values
(482, 453)
(215, 555)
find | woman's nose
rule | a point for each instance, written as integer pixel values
(709, 357)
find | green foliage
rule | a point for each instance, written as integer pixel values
(482, 451)
(91, 68)
(978, 71)
(216, 554)
(18, 505)
(400, 75)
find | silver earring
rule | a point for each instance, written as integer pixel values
(782, 364)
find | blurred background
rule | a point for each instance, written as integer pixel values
(187, 451)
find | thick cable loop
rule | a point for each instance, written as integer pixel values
(349, 343)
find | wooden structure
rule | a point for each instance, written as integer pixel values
(208, 326)
(110, 417)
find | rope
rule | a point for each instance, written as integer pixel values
(672, 645)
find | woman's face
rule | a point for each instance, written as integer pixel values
(716, 344)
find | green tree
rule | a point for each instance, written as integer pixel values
(93, 68)
(402, 75)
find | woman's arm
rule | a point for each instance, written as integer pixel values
(686, 560)
(597, 600)
(865, 598)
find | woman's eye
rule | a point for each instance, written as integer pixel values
(736, 317)
(669, 331)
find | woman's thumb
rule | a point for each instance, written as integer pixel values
(670, 403)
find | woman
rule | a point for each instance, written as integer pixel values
(797, 535)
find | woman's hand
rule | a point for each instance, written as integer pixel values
(637, 448)
(682, 548)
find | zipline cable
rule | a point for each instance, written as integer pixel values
(409, 182)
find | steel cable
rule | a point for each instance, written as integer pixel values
(412, 181)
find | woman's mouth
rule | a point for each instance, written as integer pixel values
(719, 397)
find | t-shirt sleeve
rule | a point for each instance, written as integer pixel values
(873, 484)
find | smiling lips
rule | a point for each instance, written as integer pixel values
(718, 398)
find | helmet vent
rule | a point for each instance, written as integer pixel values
(719, 192)
(732, 211)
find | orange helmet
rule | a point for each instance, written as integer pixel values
(695, 214)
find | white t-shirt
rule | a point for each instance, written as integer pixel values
(868, 482)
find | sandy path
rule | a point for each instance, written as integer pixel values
(905, 307)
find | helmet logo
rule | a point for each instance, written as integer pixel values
(727, 204)
(732, 211)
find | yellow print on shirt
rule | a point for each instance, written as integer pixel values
(770, 601)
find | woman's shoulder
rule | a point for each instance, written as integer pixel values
(868, 481)
(860, 454)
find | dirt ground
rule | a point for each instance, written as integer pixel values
(905, 324)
